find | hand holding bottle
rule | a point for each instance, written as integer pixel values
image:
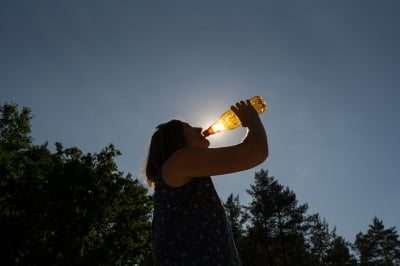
(245, 112)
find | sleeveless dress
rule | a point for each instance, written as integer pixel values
(190, 226)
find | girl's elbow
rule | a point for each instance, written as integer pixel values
(262, 155)
(262, 150)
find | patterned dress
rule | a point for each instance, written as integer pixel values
(190, 225)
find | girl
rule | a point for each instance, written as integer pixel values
(190, 226)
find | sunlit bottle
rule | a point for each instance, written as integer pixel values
(229, 120)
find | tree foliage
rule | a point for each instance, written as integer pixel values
(279, 231)
(274, 229)
(379, 246)
(236, 216)
(66, 207)
(14, 127)
(277, 221)
(325, 246)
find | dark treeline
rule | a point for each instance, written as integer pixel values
(274, 229)
(70, 208)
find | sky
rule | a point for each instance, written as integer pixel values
(101, 72)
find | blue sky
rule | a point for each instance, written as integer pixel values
(100, 72)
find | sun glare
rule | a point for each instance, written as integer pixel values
(217, 127)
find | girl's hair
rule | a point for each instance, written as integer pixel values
(167, 139)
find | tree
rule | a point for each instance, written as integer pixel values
(319, 239)
(66, 207)
(276, 233)
(379, 246)
(280, 233)
(236, 216)
(339, 253)
(324, 246)
(14, 128)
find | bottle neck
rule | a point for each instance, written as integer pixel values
(208, 132)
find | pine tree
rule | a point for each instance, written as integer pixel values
(325, 246)
(275, 235)
(379, 246)
(236, 216)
